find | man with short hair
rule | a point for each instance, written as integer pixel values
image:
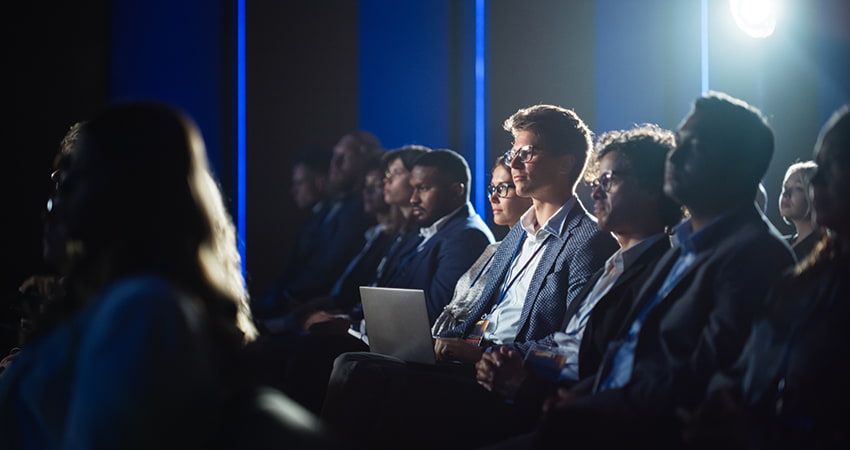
(310, 186)
(450, 235)
(341, 227)
(627, 177)
(546, 259)
(695, 312)
(536, 272)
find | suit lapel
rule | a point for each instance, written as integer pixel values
(501, 262)
(547, 260)
(585, 291)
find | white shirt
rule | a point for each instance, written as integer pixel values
(569, 340)
(505, 316)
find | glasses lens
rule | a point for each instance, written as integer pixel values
(523, 155)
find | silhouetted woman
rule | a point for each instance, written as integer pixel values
(154, 356)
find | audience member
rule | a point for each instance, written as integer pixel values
(43, 297)
(397, 188)
(694, 313)
(789, 388)
(451, 234)
(627, 176)
(361, 269)
(536, 272)
(507, 208)
(450, 237)
(310, 187)
(553, 251)
(338, 234)
(153, 358)
(795, 205)
(309, 190)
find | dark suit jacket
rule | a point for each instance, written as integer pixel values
(337, 238)
(700, 326)
(608, 314)
(567, 263)
(442, 260)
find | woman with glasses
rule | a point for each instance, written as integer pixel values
(507, 209)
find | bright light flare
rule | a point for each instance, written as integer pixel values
(757, 18)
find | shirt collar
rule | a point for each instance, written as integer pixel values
(428, 232)
(631, 254)
(691, 241)
(553, 226)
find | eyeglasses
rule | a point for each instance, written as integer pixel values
(524, 154)
(604, 180)
(501, 190)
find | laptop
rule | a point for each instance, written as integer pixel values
(397, 323)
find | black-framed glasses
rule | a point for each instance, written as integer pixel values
(501, 190)
(523, 154)
(605, 179)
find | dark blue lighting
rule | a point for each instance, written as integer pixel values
(704, 46)
(481, 160)
(240, 130)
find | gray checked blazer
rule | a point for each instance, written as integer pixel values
(568, 261)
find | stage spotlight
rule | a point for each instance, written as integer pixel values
(757, 18)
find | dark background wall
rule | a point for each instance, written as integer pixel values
(403, 70)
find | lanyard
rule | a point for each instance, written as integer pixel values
(484, 269)
(507, 285)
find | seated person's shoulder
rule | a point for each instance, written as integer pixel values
(142, 297)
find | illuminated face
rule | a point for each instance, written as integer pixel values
(534, 177)
(433, 196)
(397, 190)
(506, 210)
(794, 199)
(618, 197)
(831, 188)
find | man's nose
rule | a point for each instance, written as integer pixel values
(515, 163)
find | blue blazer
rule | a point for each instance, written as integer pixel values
(437, 266)
(568, 261)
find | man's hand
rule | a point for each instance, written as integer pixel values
(501, 370)
(456, 349)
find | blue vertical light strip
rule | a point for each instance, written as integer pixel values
(479, 172)
(240, 129)
(704, 46)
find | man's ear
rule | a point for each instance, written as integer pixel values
(458, 188)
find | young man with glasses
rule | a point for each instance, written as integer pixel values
(545, 259)
(627, 178)
(694, 313)
(537, 271)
